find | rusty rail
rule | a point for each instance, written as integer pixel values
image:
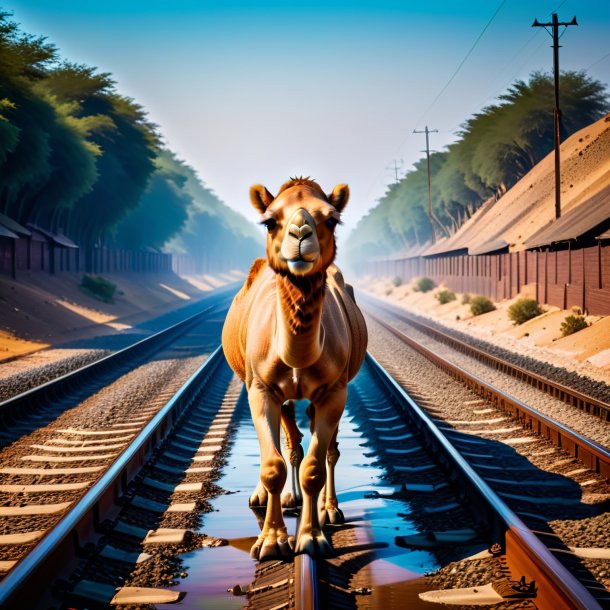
(305, 583)
(592, 454)
(22, 585)
(20, 405)
(555, 389)
(525, 553)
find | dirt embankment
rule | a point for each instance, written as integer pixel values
(40, 310)
(587, 351)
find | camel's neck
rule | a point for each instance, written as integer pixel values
(299, 334)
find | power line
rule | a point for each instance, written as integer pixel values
(599, 61)
(472, 48)
(399, 147)
(521, 65)
(447, 84)
(506, 83)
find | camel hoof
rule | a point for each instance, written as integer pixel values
(265, 550)
(335, 516)
(288, 500)
(313, 544)
(258, 497)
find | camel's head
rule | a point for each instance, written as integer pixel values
(300, 223)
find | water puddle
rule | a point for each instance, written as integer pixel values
(214, 570)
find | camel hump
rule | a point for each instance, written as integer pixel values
(257, 266)
(336, 277)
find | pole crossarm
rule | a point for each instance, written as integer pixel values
(397, 166)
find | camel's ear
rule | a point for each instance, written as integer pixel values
(260, 197)
(338, 198)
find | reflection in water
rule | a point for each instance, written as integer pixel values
(214, 570)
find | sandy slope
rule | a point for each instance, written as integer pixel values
(529, 205)
(40, 310)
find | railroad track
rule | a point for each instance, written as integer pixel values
(592, 454)
(413, 505)
(48, 458)
(568, 395)
(97, 374)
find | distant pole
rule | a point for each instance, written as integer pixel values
(555, 23)
(427, 132)
(396, 168)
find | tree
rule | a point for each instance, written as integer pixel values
(495, 149)
(163, 208)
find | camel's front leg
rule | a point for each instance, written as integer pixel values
(273, 540)
(327, 412)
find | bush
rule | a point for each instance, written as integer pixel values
(480, 304)
(523, 310)
(425, 284)
(99, 287)
(445, 296)
(465, 298)
(572, 324)
(397, 281)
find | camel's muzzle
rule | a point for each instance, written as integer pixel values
(300, 246)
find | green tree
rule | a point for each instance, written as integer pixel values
(495, 149)
(163, 208)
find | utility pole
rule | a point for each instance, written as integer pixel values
(396, 168)
(555, 23)
(427, 132)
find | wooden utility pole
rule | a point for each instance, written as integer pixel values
(555, 23)
(396, 167)
(430, 215)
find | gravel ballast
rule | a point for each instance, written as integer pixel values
(585, 520)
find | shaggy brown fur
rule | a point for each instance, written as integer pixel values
(301, 298)
(300, 181)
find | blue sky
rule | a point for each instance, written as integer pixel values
(251, 92)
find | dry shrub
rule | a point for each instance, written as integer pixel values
(480, 304)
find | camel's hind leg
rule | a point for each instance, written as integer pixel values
(273, 540)
(334, 514)
(293, 454)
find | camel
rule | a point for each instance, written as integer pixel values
(295, 332)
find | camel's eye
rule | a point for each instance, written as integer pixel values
(331, 223)
(270, 223)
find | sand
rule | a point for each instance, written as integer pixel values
(587, 351)
(529, 205)
(39, 310)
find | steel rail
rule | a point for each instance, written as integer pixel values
(58, 546)
(526, 555)
(592, 454)
(55, 388)
(562, 392)
(305, 583)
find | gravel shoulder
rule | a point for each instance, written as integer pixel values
(582, 520)
(584, 423)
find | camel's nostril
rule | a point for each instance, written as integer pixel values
(306, 231)
(300, 232)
